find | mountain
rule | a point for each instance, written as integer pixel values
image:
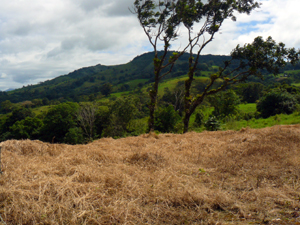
(85, 82)
(10, 89)
(89, 80)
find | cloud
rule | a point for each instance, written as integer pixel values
(45, 39)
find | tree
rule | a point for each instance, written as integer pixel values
(86, 117)
(102, 119)
(166, 16)
(37, 102)
(58, 121)
(175, 98)
(251, 59)
(224, 103)
(250, 92)
(166, 119)
(18, 114)
(210, 16)
(276, 102)
(121, 112)
(6, 106)
(28, 128)
(160, 23)
(106, 89)
(74, 136)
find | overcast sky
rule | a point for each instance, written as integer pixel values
(42, 39)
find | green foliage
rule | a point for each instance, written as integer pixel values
(249, 92)
(6, 106)
(174, 98)
(198, 119)
(264, 54)
(106, 89)
(102, 119)
(225, 104)
(74, 136)
(17, 114)
(121, 112)
(28, 128)
(212, 124)
(58, 121)
(166, 119)
(136, 127)
(276, 102)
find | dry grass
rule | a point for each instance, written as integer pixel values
(231, 177)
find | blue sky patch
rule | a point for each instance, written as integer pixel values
(245, 28)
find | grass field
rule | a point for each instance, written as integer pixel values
(224, 177)
(247, 108)
(41, 109)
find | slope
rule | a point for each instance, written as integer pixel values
(87, 81)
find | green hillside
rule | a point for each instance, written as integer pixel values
(89, 80)
(87, 83)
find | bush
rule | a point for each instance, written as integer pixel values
(121, 114)
(74, 136)
(58, 121)
(225, 104)
(29, 128)
(276, 102)
(212, 124)
(198, 119)
(166, 119)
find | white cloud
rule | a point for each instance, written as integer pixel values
(48, 38)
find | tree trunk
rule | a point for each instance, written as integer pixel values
(186, 122)
(151, 119)
(153, 97)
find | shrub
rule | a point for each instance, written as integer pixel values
(276, 102)
(212, 124)
(198, 119)
(166, 119)
(58, 121)
(225, 104)
(121, 114)
(28, 128)
(74, 136)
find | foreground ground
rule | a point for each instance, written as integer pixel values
(226, 177)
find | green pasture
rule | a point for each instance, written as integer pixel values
(280, 119)
(247, 108)
(42, 109)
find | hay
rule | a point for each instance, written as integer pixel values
(230, 177)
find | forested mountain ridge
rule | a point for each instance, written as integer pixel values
(89, 80)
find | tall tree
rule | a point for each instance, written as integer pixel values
(160, 23)
(252, 60)
(210, 15)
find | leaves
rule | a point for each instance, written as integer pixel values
(266, 55)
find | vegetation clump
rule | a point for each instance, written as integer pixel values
(276, 102)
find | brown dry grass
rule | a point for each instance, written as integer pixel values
(231, 177)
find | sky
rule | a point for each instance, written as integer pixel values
(43, 39)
